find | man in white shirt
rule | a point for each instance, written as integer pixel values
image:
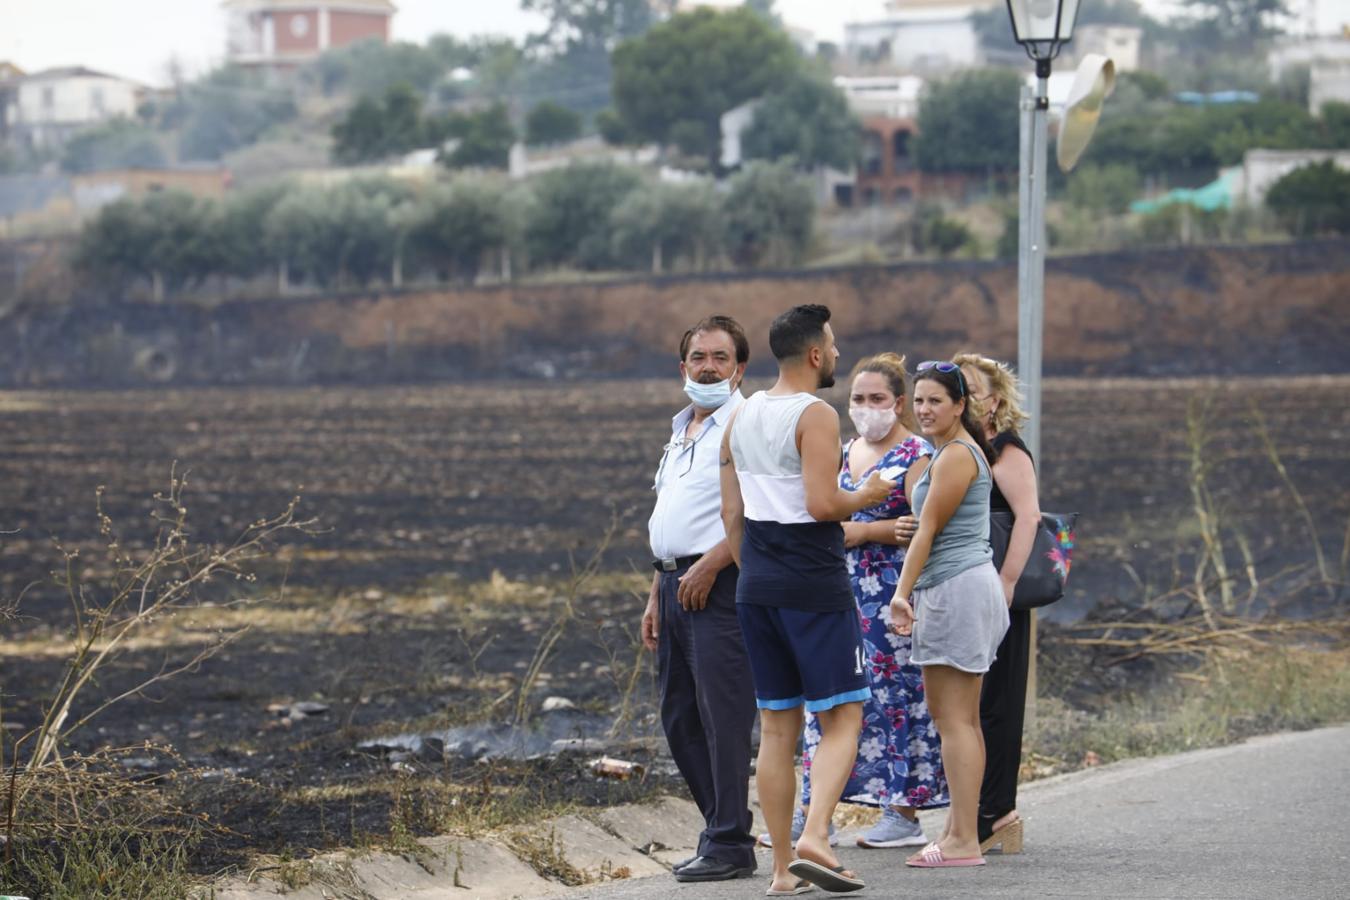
(707, 695)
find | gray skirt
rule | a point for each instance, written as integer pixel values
(961, 621)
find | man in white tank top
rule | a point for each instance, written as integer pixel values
(781, 505)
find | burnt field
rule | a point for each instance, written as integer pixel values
(448, 522)
(463, 480)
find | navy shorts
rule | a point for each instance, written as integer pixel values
(801, 657)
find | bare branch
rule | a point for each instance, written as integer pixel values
(1273, 454)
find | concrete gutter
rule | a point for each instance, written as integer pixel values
(1258, 819)
(617, 843)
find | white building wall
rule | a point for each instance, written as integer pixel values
(527, 161)
(925, 45)
(1307, 51)
(243, 34)
(734, 122)
(77, 100)
(1262, 168)
(1328, 81)
(1119, 43)
(860, 36)
(937, 46)
(890, 96)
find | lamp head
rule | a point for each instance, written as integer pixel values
(1042, 26)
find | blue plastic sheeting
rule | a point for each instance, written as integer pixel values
(1195, 98)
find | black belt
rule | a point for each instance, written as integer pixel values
(671, 563)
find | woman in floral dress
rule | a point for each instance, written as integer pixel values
(899, 766)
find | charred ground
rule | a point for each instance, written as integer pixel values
(451, 518)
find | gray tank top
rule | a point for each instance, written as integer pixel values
(963, 543)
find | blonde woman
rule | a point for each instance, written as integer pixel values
(993, 386)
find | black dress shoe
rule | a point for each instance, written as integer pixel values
(705, 868)
(682, 863)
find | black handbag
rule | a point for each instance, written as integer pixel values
(1047, 569)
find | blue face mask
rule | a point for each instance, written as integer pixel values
(707, 396)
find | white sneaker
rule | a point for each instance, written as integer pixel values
(798, 826)
(893, 830)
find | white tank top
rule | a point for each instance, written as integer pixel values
(768, 464)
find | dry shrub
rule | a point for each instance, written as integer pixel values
(81, 825)
(548, 642)
(87, 829)
(1232, 661)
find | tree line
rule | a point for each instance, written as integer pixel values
(671, 85)
(367, 231)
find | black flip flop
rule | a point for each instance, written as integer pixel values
(833, 880)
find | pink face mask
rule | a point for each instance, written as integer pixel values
(872, 423)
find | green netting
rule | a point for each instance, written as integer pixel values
(1218, 194)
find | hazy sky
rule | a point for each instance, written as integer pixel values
(136, 38)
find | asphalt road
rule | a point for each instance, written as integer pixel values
(1264, 819)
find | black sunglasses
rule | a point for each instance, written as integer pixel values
(945, 368)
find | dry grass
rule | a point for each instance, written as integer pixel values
(1214, 641)
(543, 852)
(1232, 695)
(87, 830)
(79, 825)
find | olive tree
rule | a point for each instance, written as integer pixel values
(666, 222)
(769, 212)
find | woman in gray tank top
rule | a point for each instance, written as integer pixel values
(950, 598)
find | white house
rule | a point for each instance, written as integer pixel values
(1328, 81)
(1328, 62)
(886, 96)
(1304, 51)
(1119, 43)
(45, 108)
(1262, 168)
(526, 161)
(921, 36)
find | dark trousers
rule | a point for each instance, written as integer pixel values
(1003, 703)
(708, 710)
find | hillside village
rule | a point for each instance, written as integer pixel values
(485, 159)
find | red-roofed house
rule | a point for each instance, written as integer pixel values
(283, 33)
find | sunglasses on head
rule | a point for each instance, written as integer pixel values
(945, 368)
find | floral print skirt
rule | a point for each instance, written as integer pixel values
(899, 761)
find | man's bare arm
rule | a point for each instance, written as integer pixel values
(733, 504)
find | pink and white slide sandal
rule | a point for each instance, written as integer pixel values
(931, 857)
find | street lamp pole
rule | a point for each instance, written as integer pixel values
(1031, 191)
(1041, 27)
